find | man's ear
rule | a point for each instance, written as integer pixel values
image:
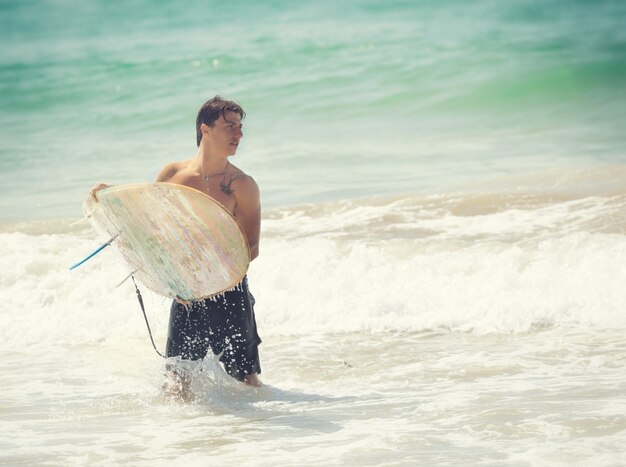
(205, 129)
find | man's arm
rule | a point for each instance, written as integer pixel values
(167, 172)
(248, 212)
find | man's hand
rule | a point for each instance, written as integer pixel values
(182, 301)
(96, 188)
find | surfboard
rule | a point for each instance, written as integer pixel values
(177, 241)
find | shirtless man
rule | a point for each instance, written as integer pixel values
(226, 326)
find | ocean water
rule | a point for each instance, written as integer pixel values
(441, 278)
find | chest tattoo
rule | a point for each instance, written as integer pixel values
(225, 184)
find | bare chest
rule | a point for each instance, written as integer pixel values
(217, 188)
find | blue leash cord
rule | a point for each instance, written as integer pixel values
(139, 297)
(95, 252)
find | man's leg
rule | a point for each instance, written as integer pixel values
(177, 384)
(252, 380)
(187, 338)
(235, 334)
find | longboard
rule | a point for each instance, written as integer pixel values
(177, 241)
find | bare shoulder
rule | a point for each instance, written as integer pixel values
(247, 184)
(170, 170)
(244, 183)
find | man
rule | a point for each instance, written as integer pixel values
(227, 325)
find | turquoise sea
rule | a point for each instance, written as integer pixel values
(441, 277)
(344, 99)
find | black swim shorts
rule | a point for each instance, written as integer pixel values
(225, 324)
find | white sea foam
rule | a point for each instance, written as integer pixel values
(481, 327)
(410, 264)
(484, 326)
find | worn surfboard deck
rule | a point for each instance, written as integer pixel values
(179, 241)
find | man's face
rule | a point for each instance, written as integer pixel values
(226, 133)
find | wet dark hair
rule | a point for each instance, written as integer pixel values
(212, 110)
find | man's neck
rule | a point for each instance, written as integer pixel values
(209, 164)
